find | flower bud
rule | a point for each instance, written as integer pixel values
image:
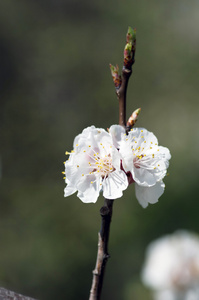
(133, 118)
(129, 50)
(116, 77)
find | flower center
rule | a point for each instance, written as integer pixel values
(99, 164)
(103, 165)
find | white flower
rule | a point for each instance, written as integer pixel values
(94, 165)
(147, 163)
(172, 267)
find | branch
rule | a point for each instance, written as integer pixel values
(102, 254)
(121, 84)
(121, 94)
(10, 295)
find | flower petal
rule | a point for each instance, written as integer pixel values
(147, 195)
(116, 158)
(89, 192)
(117, 132)
(69, 189)
(144, 177)
(114, 184)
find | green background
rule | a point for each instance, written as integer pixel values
(54, 82)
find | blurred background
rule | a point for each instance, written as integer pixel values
(54, 82)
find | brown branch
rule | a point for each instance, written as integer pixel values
(121, 84)
(121, 94)
(102, 254)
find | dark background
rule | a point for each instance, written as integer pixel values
(54, 82)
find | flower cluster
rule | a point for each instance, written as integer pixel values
(171, 268)
(110, 161)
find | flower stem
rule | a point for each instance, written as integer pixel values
(102, 254)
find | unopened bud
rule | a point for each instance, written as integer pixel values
(116, 77)
(133, 118)
(131, 35)
(129, 50)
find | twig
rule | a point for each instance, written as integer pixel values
(121, 84)
(121, 94)
(102, 254)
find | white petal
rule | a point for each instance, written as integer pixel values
(141, 134)
(166, 154)
(89, 192)
(117, 132)
(93, 136)
(126, 155)
(114, 184)
(147, 195)
(76, 166)
(85, 133)
(69, 190)
(144, 177)
(116, 158)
